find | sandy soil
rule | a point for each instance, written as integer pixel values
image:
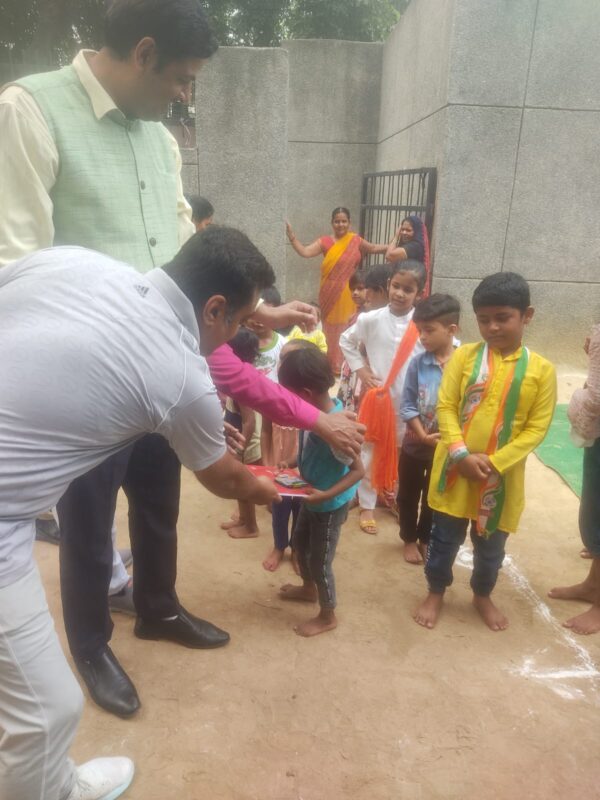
(379, 709)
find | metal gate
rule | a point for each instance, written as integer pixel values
(388, 197)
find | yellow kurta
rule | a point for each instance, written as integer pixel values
(537, 399)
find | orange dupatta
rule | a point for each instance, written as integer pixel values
(377, 413)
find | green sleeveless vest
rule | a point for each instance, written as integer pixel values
(116, 190)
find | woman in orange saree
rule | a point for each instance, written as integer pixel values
(342, 255)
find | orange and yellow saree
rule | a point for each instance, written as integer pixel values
(342, 257)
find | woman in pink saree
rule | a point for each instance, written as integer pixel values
(342, 254)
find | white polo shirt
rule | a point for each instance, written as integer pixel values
(93, 355)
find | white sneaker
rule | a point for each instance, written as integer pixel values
(102, 779)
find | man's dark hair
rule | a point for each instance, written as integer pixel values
(220, 260)
(201, 208)
(245, 345)
(377, 277)
(415, 267)
(271, 296)
(357, 278)
(180, 28)
(306, 368)
(502, 289)
(438, 308)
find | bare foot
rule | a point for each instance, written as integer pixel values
(243, 532)
(428, 612)
(412, 553)
(295, 564)
(273, 560)
(588, 622)
(490, 614)
(585, 592)
(423, 550)
(325, 621)
(232, 522)
(585, 553)
(307, 593)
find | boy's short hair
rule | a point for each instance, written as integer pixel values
(413, 266)
(357, 278)
(271, 296)
(245, 345)
(502, 289)
(377, 277)
(306, 368)
(438, 308)
(201, 208)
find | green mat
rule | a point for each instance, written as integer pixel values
(558, 452)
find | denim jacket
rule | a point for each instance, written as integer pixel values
(419, 399)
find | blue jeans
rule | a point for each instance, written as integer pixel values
(281, 512)
(314, 541)
(589, 509)
(447, 535)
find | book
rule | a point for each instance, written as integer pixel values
(288, 481)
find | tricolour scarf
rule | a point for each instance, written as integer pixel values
(492, 492)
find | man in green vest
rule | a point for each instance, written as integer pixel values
(86, 161)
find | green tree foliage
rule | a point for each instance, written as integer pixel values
(48, 32)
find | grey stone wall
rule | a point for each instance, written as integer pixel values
(513, 130)
(241, 125)
(333, 122)
(502, 97)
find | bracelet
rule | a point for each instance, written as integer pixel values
(458, 453)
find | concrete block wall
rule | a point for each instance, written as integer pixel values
(241, 133)
(512, 131)
(333, 130)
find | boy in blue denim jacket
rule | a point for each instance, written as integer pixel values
(437, 318)
(333, 477)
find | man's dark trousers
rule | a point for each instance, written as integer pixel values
(150, 473)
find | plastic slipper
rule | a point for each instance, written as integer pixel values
(368, 526)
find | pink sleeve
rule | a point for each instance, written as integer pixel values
(249, 387)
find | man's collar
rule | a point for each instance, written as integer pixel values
(178, 301)
(102, 102)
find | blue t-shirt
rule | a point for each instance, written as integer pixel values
(322, 466)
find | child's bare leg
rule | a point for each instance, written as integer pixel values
(489, 613)
(428, 612)
(248, 529)
(273, 560)
(324, 621)
(307, 593)
(295, 564)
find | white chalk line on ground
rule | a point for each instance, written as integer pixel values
(555, 679)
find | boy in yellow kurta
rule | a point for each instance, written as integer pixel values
(495, 405)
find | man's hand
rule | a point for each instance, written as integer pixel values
(294, 313)
(341, 431)
(236, 443)
(431, 439)
(368, 378)
(266, 492)
(474, 467)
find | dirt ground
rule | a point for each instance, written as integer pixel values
(379, 709)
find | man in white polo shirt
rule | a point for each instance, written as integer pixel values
(94, 356)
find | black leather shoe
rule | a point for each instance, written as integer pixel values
(109, 684)
(185, 629)
(46, 530)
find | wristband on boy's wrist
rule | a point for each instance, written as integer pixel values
(458, 454)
